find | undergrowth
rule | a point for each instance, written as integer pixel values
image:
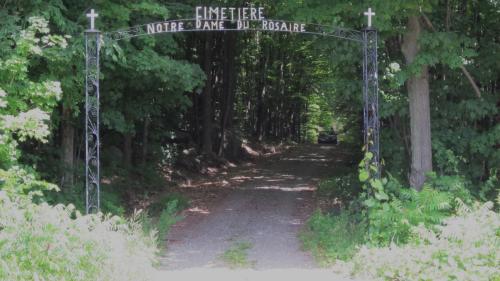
(404, 234)
(43, 242)
(158, 206)
(465, 247)
(161, 216)
(333, 237)
(343, 189)
(237, 255)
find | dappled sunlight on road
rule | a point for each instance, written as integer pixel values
(265, 204)
(287, 189)
(199, 210)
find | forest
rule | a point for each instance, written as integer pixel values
(178, 106)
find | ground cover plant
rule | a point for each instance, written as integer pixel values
(237, 255)
(160, 217)
(333, 237)
(43, 242)
(438, 233)
(464, 247)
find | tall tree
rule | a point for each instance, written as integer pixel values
(420, 116)
(207, 132)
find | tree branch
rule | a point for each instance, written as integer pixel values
(462, 67)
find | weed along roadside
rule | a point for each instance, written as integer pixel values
(237, 255)
(391, 232)
(161, 216)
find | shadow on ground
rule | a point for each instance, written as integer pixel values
(265, 205)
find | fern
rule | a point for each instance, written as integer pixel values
(391, 222)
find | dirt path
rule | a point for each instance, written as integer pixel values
(268, 205)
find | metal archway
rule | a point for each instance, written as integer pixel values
(367, 38)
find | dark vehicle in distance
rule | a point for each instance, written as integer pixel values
(327, 137)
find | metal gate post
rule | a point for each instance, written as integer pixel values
(92, 142)
(370, 95)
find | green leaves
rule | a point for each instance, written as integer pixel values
(378, 189)
(363, 175)
(26, 103)
(440, 48)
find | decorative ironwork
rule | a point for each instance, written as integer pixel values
(368, 38)
(370, 95)
(189, 25)
(92, 141)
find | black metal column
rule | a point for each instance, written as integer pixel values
(92, 176)
(370, 95)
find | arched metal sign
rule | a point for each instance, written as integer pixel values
(194, 25)
(213, 19)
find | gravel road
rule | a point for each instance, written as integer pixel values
(267, 206)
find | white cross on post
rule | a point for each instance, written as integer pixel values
(369, 14)
(92, 17)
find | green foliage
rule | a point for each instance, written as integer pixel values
(237, 255)
(344, 188)
(391, 222)
(161, 215)
(458, 187)
(112, 201)
(150, 85)
(331, 238)
(319, 117)
(168, 217)
(392, 209)
(26, 103)
(17, 182)
(181, 203)
(466, 247)
(490, 187)
(41, 242)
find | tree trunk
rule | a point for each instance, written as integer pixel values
(68, 147)
(127, 150)
(262, 91)
(145, 137)
(420, 121)
(228, 90)
(206, 144)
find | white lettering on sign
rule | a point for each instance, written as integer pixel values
(283, 26)
(153, 28)
(243, 25)
(229, 13)
(223, 18)
(209, 25)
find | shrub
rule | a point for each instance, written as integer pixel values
(43, 242)
(161, 215)
(466, 247)
(333, 237)
(345, 188)
(391, 221)
(393, 209)
(111, 198)
(157, 207)
(457, 186)
(168, 217)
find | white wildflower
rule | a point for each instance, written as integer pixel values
(53, 88)
(395, 67)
